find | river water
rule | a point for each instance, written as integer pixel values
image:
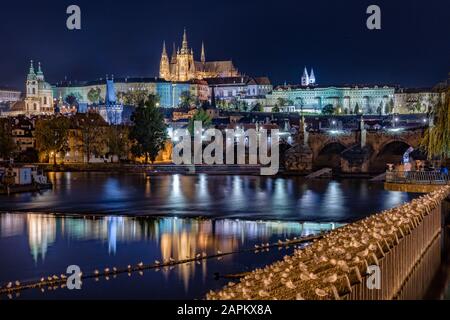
(98, 221)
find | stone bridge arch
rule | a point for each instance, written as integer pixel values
(329, 156)
(318, 141)
(390, 147)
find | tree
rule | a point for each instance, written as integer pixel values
(186, 100)
(149, 132)
(436, 140)
(243, 106)
(202, 116)
(328, 109)
(133, 97)
(7, 145)
(276, 109)
(117, 140)
(52, 136)
(72, 99)
(389, 107)
(258, 107)
(380, 109)
(92, 127)
(94, 95)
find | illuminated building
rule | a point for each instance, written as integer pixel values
(368, 99)
(39, 94)
(182, 66)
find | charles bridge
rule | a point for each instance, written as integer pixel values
(355, 150)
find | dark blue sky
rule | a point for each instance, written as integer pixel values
(273, 38)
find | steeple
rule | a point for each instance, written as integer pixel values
(305, 78)
(40, 74)
(184, 45)
(202, 58)
(31, 73)
(312, 77)
(164, 68)
(164, 52)
(174, 54)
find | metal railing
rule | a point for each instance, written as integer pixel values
(417, 177)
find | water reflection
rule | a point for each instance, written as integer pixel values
(253, 197)
(41, 234)
(56, 241)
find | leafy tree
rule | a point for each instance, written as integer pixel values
(149, 132)
(7, 145)
(380, 109)
(92, 127)
(133, 97)
(389, 107)
(202, 116)
(328, 109)
(186, 100)
(72, 99)
(276, 109)
(117, 140)
(436, 140)
(94, 95)
(243, 106)
(51, 136)
(258, 107)
(338, 110)
(282, 102)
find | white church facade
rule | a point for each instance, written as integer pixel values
(39, 94)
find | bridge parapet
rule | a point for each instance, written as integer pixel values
(403, 243)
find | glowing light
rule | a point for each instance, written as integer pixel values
(395, 129)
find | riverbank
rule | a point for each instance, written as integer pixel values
(164, 168)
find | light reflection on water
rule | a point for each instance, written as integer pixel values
(247, 197)
(54, 242)
(149, 219)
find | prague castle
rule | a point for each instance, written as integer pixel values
(182, 66)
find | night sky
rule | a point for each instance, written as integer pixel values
(272, 38)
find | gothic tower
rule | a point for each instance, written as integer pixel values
(185, 61)
(164, 68)
(312, 77)
(203, 58)
(305, 78)
(32, 83)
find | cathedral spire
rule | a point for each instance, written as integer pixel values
(305, 77)
(31, 73)
(202, 58)
(31, 67)
(174, 54)
(312, 77)
(40, 74)
(184, 46)
(164, 52)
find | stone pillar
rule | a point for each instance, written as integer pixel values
(363, 133)
(303, 128)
